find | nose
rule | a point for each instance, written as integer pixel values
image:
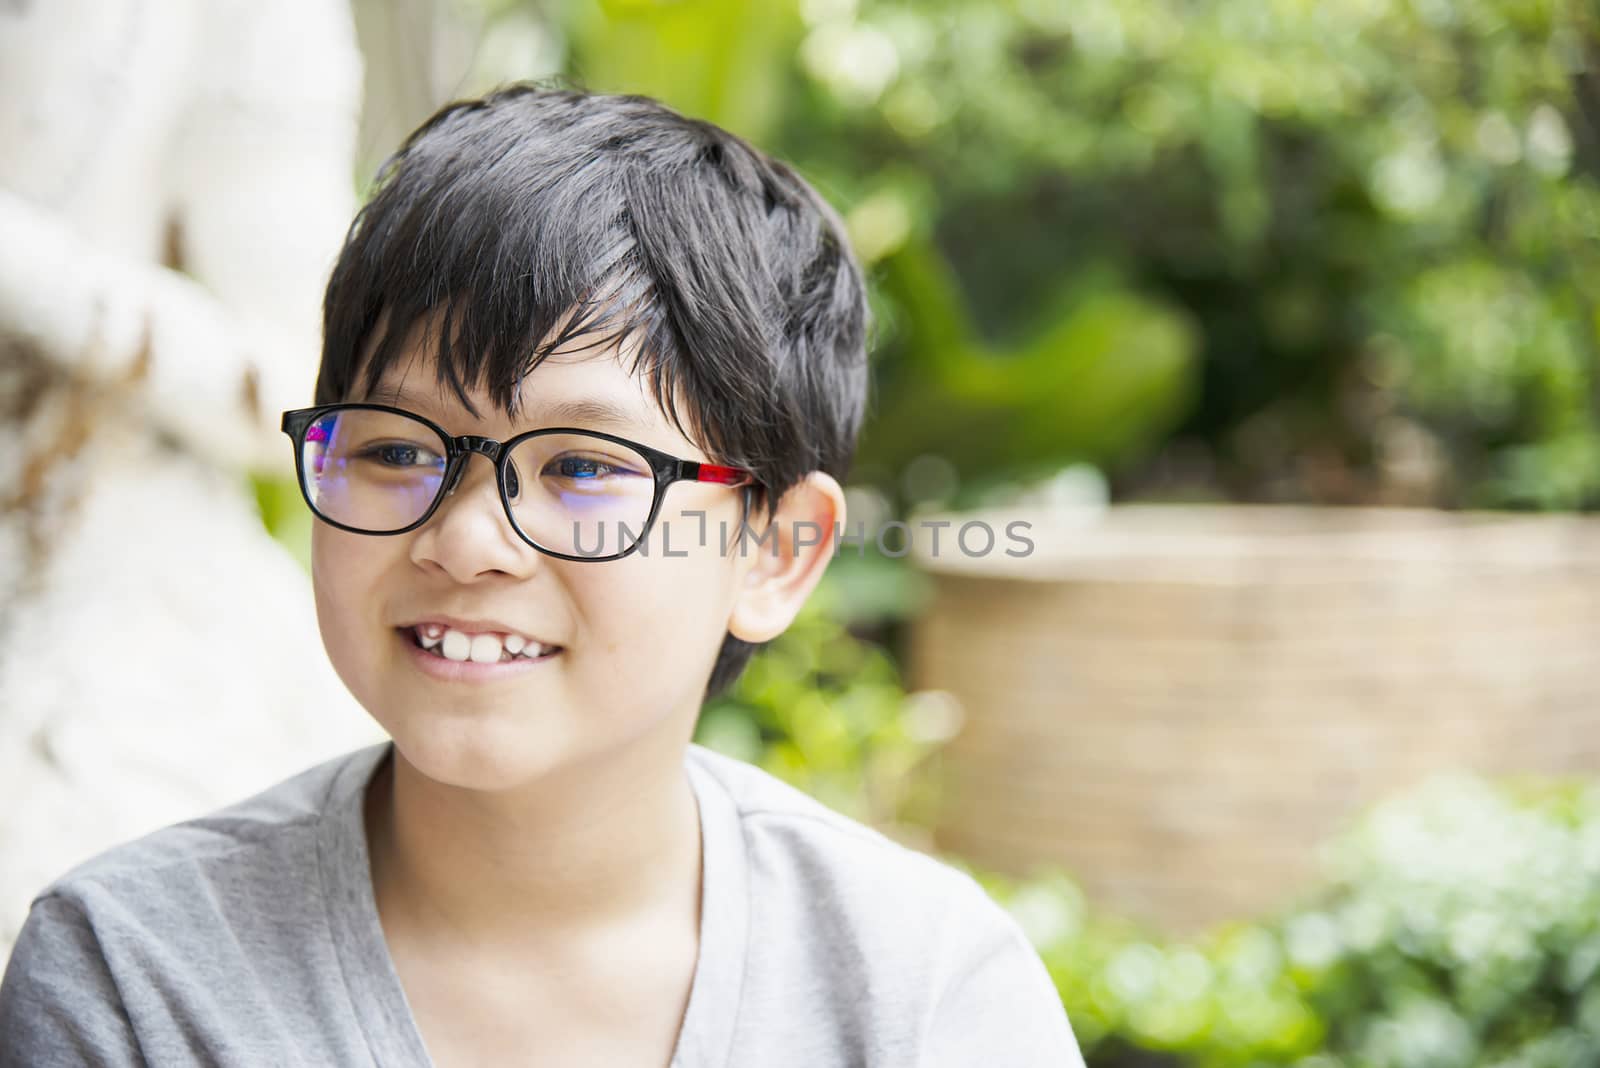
(469, 535)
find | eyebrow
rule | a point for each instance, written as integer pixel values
(580, 413)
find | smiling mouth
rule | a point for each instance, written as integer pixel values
(447, 643)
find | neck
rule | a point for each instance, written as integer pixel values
(583, 850)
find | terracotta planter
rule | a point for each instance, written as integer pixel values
(1180, 704)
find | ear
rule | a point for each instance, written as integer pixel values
(783, 560)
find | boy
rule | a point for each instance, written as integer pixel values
(647, 332)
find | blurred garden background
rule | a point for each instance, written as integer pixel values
(1277, 322)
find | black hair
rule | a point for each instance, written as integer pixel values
(504, 216)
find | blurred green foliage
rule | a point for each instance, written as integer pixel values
(1338, 251)
(1460, 929)
(1463, 929)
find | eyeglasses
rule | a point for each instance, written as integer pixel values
(570, 493)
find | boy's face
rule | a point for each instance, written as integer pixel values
(638, 635)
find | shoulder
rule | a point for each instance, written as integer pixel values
(176, 922)
(824, 878)
(265, 832)
(864, 949)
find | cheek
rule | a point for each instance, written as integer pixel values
(342, 580)
(663, 617)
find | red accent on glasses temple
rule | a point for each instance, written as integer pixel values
(727, 476)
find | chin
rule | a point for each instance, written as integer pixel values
(479, 752)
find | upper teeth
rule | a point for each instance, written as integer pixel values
(479, 648)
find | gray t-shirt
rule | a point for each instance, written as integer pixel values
(250, 938)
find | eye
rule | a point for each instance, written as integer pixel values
(401, 454)
(569, 466)
(577, 467)
(581, 467)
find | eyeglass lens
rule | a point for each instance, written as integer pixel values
(570, 493)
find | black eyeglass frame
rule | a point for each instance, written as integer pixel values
(665, 468)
